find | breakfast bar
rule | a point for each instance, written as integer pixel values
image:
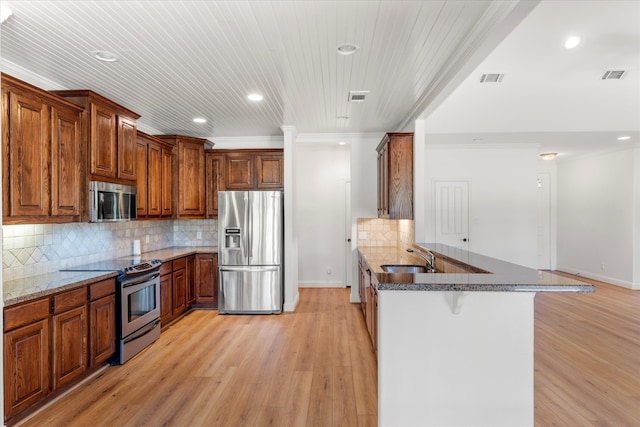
(455, 347)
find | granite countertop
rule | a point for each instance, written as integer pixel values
(502, 277)
(33, 287)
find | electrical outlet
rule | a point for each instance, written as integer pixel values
(199, 235)
(329, 270)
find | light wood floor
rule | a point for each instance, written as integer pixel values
(315, 367)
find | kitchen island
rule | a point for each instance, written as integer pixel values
(456, 349)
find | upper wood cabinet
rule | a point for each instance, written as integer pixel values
(214, 181)
(41, 153)
(154, 176)
(239, 171)
(110, 130)
(189, 175)
(269, 171)
(395, 176)
(253, 169)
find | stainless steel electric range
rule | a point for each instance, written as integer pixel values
(138, 301)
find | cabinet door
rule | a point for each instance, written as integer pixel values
(103, 329)
(154, 153)
(26, 366)
(166, 298)
(167, 182)
(65, 164)
(270, 171)
(127, 137)
(207, 278)
(103, 141)
(191, 280)
(191, 179)
(214, 182)
(179, 291)
(142, 179)
(69, 345)
(26, 147)
(239, 171)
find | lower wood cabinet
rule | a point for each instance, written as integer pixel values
(47, 341)
(191, 280)
(207, 280)
(166, 293)
(179, 279)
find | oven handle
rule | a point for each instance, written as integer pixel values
(146, 279)
(145, 330)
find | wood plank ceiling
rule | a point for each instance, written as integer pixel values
(182, 59)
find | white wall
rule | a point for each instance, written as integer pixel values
(502, 197)
(319, 203)
(596, 217)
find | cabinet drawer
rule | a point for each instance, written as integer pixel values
(69, 300)
(165, 268)
(179, 263)
(25, 313)
(102, 289)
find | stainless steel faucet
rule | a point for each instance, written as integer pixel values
(430, 259)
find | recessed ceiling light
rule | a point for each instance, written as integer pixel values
(623, 138)
(342, 143)
(255, 97)
(104, 56)
(5, 13)
(347, 49)
(200, 120)
(548, 156)
(477, 139)
(572, 42)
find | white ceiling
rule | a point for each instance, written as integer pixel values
(182, 59)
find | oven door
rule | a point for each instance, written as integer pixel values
(140, 301)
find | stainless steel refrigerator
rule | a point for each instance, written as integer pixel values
(250, 250)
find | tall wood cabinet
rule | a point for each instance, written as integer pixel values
(41, 155)
(395, 176)
(154, 177)
(189, 175)
(214, 181)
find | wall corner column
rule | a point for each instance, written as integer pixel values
(419, 184)
(291, 294)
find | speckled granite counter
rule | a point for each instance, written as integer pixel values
(502, 277)
(32, 287)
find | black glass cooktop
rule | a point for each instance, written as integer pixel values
(127, 265)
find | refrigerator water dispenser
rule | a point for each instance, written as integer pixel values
(232, 238)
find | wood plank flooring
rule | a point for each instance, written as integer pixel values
(315, 367)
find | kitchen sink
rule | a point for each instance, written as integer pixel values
(403, 268)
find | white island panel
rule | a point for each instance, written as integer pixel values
(455, 358)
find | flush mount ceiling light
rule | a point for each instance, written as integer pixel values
(104, 56)
(548, 156)
(199, 120)
(571, 42)
(255, 97)
(347, 49)
(624, 138)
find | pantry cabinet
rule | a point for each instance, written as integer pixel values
(395, 176)
(154, 177)
(110, 131)
(41, 155)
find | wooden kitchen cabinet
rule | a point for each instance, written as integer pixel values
(253, 169)
(269, 171)
(214, 164)
(207, 281)
(110, 130)
(41, 153)
(102, 321)
(154, 177)
(239, 171)
(179, 279)
(191, 280)
(166, 293)
(70, 332)
(395, 176)
(27, 367)
(189, 175)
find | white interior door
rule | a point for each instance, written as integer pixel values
(452, 213)
(544, 220)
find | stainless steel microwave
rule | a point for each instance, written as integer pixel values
(112, 202)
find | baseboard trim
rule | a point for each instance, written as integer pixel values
(613, 281)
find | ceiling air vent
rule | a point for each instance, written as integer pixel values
(491, 78)
(358, 95)
(614, 75)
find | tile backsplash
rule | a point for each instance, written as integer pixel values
(385, 232)
(42, 248)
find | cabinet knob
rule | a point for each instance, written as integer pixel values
(464, 239)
